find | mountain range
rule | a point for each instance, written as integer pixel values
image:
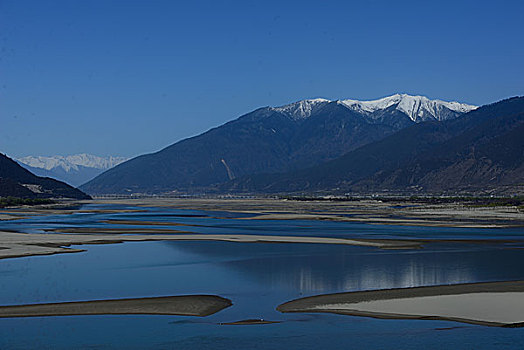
(16, 181)
(480, 152)
(73, 169)
(277, 140)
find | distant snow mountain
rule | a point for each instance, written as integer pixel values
(74, 169)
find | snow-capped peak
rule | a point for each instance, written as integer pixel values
(301, 109)
(417, 108)
(71, 162)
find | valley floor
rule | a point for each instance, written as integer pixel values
(368, 211)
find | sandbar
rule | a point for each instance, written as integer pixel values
(186, 305)
(491, 304)
(16, 244)
(146, 223)
(132, 230)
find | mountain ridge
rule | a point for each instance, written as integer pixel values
(467, 153)
(268, 139)
(416, 107)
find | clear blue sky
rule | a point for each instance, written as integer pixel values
(131, 77)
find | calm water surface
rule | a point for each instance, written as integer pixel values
(257, 277)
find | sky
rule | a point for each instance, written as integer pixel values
(125, 78)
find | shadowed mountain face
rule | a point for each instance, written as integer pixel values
(270, 140)
(481, 151)
(18, 182)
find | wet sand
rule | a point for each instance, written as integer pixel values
(146, 223)
(492, 304)
(43, 211)
(115, 230)
(5, 217)
(187, 305)
(249, 322)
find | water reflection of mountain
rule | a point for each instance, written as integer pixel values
(325, 268)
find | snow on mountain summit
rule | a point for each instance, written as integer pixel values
(417, 108)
